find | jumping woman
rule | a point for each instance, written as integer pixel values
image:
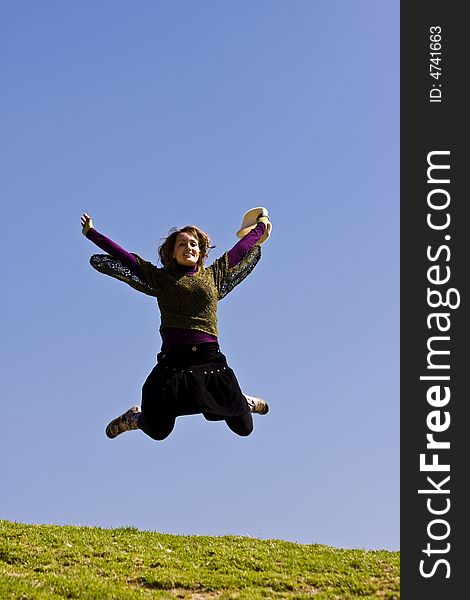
(191, 375)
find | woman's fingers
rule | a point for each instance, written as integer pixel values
(86, 223)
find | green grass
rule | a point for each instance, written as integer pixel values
(50, 562)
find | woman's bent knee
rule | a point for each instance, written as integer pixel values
(242, 426)
(157, 431)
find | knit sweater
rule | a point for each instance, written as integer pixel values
(187, 302)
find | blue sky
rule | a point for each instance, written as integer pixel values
(154, 114)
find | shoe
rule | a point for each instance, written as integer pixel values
(126, 422)
(257, 405)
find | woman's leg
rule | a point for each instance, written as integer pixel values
(154, 420)
(241, 425)
(158, 427)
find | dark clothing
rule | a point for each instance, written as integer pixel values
(159, 429)
(241, 425)
(188, 380)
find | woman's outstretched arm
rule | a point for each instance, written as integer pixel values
(241, 248)
(103, 242)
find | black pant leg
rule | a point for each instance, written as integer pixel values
(241, 425)
(154, 420)
(159, 427)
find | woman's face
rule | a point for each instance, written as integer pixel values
(186, 251)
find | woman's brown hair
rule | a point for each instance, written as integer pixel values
(166, 249)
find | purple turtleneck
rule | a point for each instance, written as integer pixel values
(171, 335)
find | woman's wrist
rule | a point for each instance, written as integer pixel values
(263, 219)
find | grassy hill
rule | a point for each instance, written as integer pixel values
(50, 562)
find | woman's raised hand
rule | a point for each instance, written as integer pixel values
(87, 223)
(263, 217)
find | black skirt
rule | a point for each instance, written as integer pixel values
(193, 379)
